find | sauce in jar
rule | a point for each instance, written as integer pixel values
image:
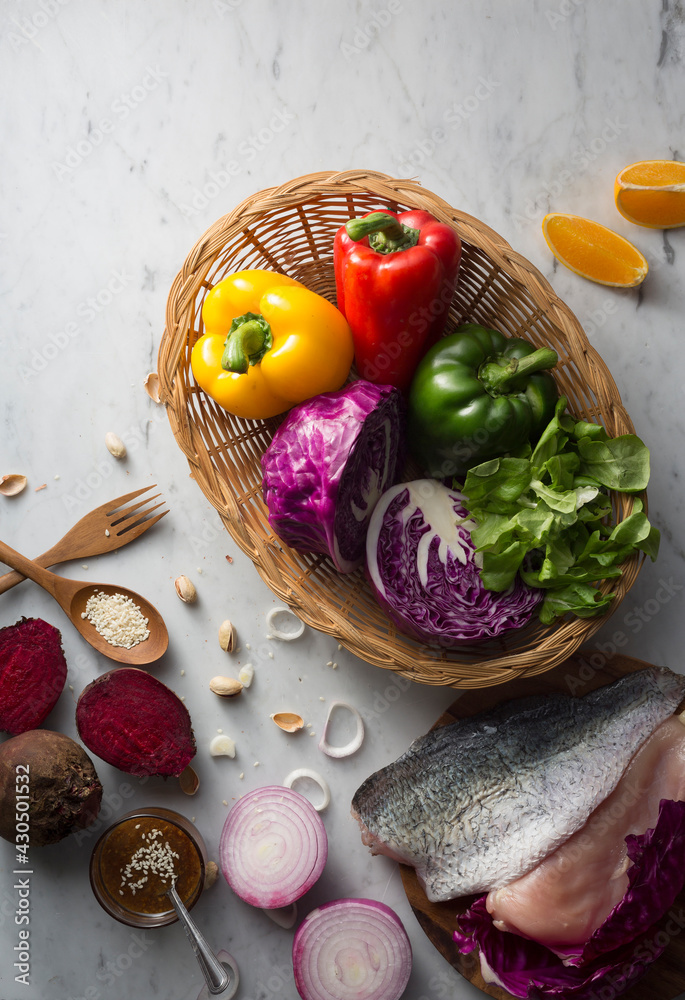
(138, 859)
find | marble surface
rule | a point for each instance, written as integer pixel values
(120, 121)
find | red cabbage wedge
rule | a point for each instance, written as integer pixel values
(327, 465)
(422, 566)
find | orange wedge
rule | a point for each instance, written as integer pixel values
(593, 251)
(652, 193)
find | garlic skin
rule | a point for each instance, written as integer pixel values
(189, 781)
(115, 446)
(151, 384)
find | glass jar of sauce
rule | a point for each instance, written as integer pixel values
(136, 860)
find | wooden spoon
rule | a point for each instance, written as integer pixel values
(72, 596)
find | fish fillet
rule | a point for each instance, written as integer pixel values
(564, 899)
(476, 804)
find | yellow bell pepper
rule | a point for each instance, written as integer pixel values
(268, 344)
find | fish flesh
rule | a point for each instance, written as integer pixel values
(477, 803)
(564, 899)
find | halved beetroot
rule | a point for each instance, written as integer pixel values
(134, 722)
(33, 672)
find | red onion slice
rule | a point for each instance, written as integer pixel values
(351, 949)
(273, 846)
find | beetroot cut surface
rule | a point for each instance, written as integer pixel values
(134, 722)
(33, 672)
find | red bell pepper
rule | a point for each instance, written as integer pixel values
(395, 276)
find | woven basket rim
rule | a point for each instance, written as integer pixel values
(497, 666)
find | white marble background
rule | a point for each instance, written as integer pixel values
(116, 116)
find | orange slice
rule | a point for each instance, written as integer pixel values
(652, 193)
(593, 251)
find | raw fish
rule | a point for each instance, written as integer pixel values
(562, 901)
(476, 804)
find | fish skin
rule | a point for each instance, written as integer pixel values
(479, 802)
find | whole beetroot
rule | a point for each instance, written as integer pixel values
(57, 775)
(33, 672)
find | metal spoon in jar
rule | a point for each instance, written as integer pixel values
(216, 975)
(72, 596)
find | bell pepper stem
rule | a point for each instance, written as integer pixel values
(386, 233)
(248, 340)
(497, 378)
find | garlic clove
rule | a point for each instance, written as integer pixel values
(12, 484)
(151, 384)
(115, 446)
(189, 781)
(185, 589)
(288, 721)
(222, 746)
(227, 636)
(246, 675)
(225, 687)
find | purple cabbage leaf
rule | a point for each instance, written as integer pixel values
(619, 952)
(327, 465)
(422, 566)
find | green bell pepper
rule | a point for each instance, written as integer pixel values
(476, 395)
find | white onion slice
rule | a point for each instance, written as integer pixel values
(284, 624)
(229, 963)
(305, 773)
(273, 846)
(284, 916)
(355, 742)
(351, 948)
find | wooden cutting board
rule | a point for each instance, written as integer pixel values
(665, 978)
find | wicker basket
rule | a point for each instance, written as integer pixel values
(290, 229)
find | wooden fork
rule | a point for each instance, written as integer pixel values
(104, 529)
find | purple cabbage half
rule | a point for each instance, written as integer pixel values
(634, 934)
(327, 466)
(421, 564)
